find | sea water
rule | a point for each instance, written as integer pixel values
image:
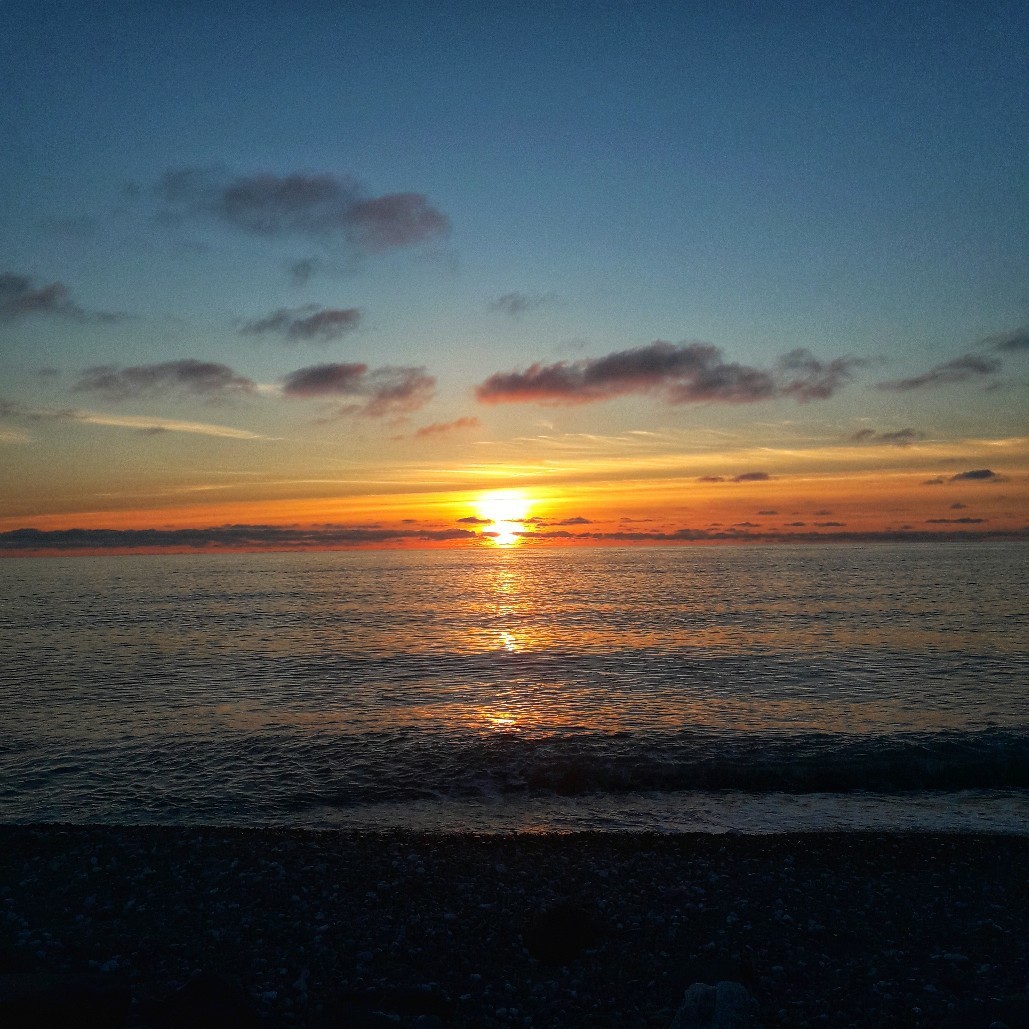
(754, 688)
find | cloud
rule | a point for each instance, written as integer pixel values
(302, 271)
(516, 304)
(310, 322)
(473, 520)
(203, 378)
(20, 296)
(680, 374)
(376, 393)
(968, 366)
(440, 428)
(151, 425)
(742, 477)
(954, 521)
(140, 423)
(898, 438)
(231, 537)
(1010, 342)
(978, 475)
(322, 206)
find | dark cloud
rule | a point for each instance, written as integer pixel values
(205, 378)
(954, 521)
(978, 475)
(829, 525)
(743, 535)
(310, 322)
(1010, 342)
(223, 537)
(377, 392)
(768, 512)
(898, 438)
(472, 520)
(957, 507)
(441, 428)
(302, 271)
(322, 206)
(516, 304)
(742, 477)
(20, 297)
(680, 374)
(542, 523)
(968, 366)
(938, 481)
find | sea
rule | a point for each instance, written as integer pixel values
(749, 688)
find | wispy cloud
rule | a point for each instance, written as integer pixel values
(442, 428)
(516, 304)
(322, 206)
(140, 423)
(20, 296)
(976, 364)
(147, 424)
(377, 392)
(310, 322)
(897, 438)
(202, 378)
(680, 374)
(1014, 342)
(742, 477)
(961, 369)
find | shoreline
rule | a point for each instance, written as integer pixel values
(330, 927)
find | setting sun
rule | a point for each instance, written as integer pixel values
(506, 511)
(504, 505)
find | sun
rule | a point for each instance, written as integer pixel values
(503, 505)
(505, 511)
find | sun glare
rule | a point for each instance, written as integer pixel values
(505, 510)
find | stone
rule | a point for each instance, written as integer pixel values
(208, 1001)
(560, 933)
(54, 1000)
(727, 1005)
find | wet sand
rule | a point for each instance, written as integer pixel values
(152, 926)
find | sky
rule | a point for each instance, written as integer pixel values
(430, 274)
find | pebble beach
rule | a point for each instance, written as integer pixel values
(163, 926)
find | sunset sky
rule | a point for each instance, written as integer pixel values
(332, 273)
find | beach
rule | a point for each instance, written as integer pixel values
(162, 926)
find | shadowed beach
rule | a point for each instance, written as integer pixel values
(155, 926)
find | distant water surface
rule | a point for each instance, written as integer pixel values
(760, 688)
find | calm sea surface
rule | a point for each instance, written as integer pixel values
(760, 688)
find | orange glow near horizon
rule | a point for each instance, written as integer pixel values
(702, 509)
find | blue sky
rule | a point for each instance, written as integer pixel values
(580, 180)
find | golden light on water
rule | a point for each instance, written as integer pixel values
(505, 511)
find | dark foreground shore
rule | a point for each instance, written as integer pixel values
(194, 927)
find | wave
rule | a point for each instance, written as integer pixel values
(283, 774)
